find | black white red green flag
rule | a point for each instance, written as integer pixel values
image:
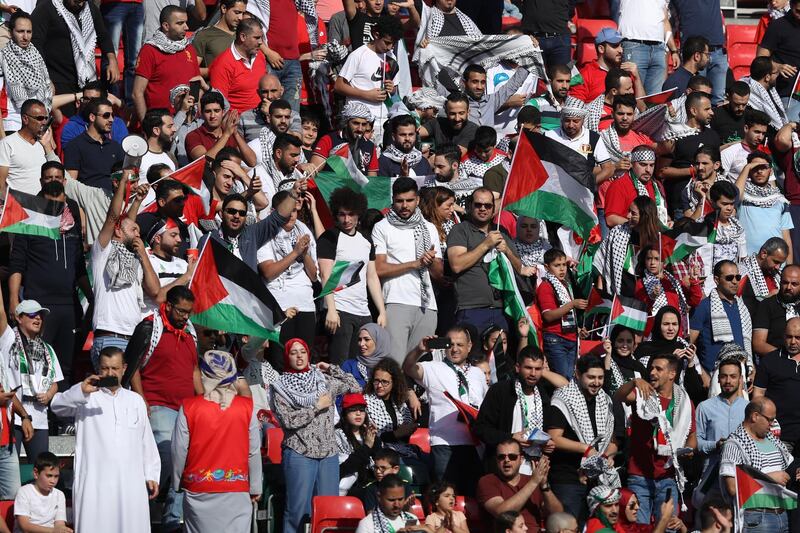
(27, 214)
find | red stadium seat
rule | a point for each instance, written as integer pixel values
(335, 513)
(585, 53)
(740, 33)
(587, 31)
(417, 510)
(594, 9)
(473, 511)
(740, 55)
(7, 512)
(274, 439)
(421, 438)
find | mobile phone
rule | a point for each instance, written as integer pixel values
(411, 523)
(438, 343)
(48, 123)
(107, 381)
(683, 451)
(15, 389)
(194, 89)
(669, 495)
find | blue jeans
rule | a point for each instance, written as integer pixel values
(306, 478)
(573, 498)
(651, 61)
(758, 521)
(601, 218)
(101, 342)
(651, 494)
(459, 465)
(561, 354)
(125, 18)
(717, 72)
(9, 473)
(482, 318)
(291, 76)
(162, 421)
(555, 50)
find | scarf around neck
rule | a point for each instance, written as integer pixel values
(27, 355)
(721, 330)
(436, 23)
(530, 420)
(571, 401)
(83, 38)
(25, 74)
(762, 195)
(380, 523)
(768, 101)
(167, 45)
(393, 153)
(422, 243)
(756, 276)
(641, 190)
(563, 297)
(532, 254)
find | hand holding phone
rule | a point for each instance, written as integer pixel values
(107, 381)
(439, 343)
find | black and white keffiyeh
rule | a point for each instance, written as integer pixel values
(474, 167)
(610, 138)
(83, 38)
(266, 139)
(570, 400)
(751, 451)
(436, 23)
(530, 420)
(756, 276)
(762, 195)
(462, 187)
(563, 296)
(721, 330)
(614, 257)
(594, 113)
(767, 101)
(393, 153)
(25, 74)
(422, 243)
(380, 524)
(385, 421)
(301, 390)
(532, 254)
(651, 284)
(122, 266)
(165, 44)
(730, 352)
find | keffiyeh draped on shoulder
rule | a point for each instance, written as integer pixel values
(83, 38)
(571, 401)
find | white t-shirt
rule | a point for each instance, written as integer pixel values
(642, 19)
(367, 524)
(398, 247)
(734, 159)
(364, 70)
(116, 310)
(444, 425)
(151, 158)
(41, 510)
(13, 122)
(167, 272)
(516, 425)
(34, 382)
(293, 287)
(24, 161)
(337, 245)
(505, 121)
(9, 376)
(581, 144)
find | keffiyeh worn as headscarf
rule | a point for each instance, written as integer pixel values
(356, 110)
(218, 374)
(83, 38)
(574, 108)
(730, 352)
(383, 346)
(425, 98)
(601, 495)
(25, 74)
(299, 388)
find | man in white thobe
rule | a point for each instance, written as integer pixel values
(116, 459)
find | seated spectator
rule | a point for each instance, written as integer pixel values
(217, 131)
(734, 157)
(236, 71)
(355, 441)
(508, 490)
(455, 127)
(695, 58)
(385, 462)
(556, 523)
(78, 123)
(513, 522)
(402, 158)
(389, 515)
(728, 119)
(603, 503)
(40, 504)
(695, 199)
(482, 155)
(373, 347)
(441, 498)
(91, 156)
(356, 118)
(23, 153)
(253, 120)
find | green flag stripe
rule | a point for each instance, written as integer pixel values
(501, 278)
(555, 208)
(769, 501)
(229, 317)
(34, 230)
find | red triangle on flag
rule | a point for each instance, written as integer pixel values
(746, 486)
(206, 283)
(616, 309)
(13, 212)
(527, 173)
(191, 174)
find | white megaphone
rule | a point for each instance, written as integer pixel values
(134, 147)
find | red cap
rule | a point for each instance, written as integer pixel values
(352, 400)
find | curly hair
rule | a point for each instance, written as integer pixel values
(429, 204)
(345, 198)
(399, 387)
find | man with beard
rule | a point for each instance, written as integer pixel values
(218, 130)
(453, 128)
(212, 41)
(638, 181)
(49, 271)
(236, 71)
(279, 118)
(769, 323)
(695, 56)
(401, 158)
(761, 272)
(608, 45)
(77, 123)
(121, 272)
(603, 505)
(169, 203)
(158, 127)
(251, 122)
(734, 157)
(581, 423)
(619, 138)
(350, 139)
(447, 173)
(728, 119)
(483, 107)
(23, 153)
(549, 104)
(164, 239)
(278, 172)
(91, 156)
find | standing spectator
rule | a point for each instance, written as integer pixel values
(728, 120)
(483, 106)
(217, 430)
(549, 104)
(164, 239)
(49, 272)
(620, 138)
(401, 157)
(620, 363)
(454, 127)
(720, 318)
(482, 156)
(548, 21)
(653, 463)
(734, 157)
(696, 56)
(23, 153)
(362, 19)
(447, 173)
(124, 19)
(645, 29)
(730, 243)
(348, 309)
(705, 19)
(78, 123)
(278, 172)
(769, 322)
(407, 256)
(212, 41)
(91, 156)
(509, 490)
(263, 145)
(158, 127)
(127, 485)
(252, 121)
(780, 43)
(764, 75)
(454, 455)
(638, 181)
(695, 199)
(468, 244)
(218, 130)
(237, 71)
(608, 44)
(761, 272)
(775, 380)
(303, 399)
(153, 8)
(40, 503)
(66, 33)
(166, 60)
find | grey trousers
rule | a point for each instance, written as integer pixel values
(407, 325)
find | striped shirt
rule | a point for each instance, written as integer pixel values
(767, 455)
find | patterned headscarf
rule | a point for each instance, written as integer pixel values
(218, 374)
(574, 108)
(356, 110)
(601, 495)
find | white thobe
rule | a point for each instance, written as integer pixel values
(115, 453)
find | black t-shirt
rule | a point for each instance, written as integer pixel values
(728, 127)
(677, 80)
(549, 16)
(564, 465)
(683, 157)
(439, 129)
(771, 316)
(452, 26)
(778, 373)
(360, 28)
(782, 39)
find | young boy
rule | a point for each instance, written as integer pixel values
(310, 124)
(731, 243)
(389, 514)
(385, 461)
(558, 306)
(40, 504)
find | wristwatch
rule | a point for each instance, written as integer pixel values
(545, 487)
(27, 417)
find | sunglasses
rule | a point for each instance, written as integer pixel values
(32, 315)
(231, 211)
(39, 118)
(106, 115)
(509, 456)
(731, 277)
(479, 205)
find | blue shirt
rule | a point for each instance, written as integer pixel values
(716, 419)
(93, 160)
(700, 17)
(77, 125)
(762, 223)
(707, 349)
(679, 79)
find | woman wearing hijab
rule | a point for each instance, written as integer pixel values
(620, 364)
(374, 344)
(629, 507)
(216, 451)
(303, 402)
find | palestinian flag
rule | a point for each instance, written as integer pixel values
(576, 78)
(192, 176)
(629, 312)
(658, 98)
(684, 239)
(231, 297)
(342, 163)
(467, 414)
(552, 182)
(501, 277)
(755, 490)
(27, 214)
(343, 275)
(599, 303)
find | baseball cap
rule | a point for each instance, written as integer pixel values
(30, 306)
(353, 400)
(608, 35)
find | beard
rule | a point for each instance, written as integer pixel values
(53, 188)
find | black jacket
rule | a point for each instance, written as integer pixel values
(495, 418)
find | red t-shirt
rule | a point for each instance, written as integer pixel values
(282, 34)
(546, 298)
(168, 377)
(621, 194)
(594, 82)
(165, 71)
(792, 181)
(490, 486)
(326, 145)
(202, 136)
(238, 82)
(644, 461)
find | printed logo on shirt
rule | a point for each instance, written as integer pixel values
(387, 71)
(586, 149)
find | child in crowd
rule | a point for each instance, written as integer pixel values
(40, 506)
(385, 461)
(441, 498)
(389, 515)
(355, 441)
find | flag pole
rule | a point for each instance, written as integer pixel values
(792, 98)
(508, 178)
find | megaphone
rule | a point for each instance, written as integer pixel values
(134, 147)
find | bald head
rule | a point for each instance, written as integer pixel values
(269, 88)
(558, 522)
(791, 336)
(759, 415)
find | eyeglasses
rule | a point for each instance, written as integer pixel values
(383, 468)
(768, 419)
(106, 115)
(231, 211)
(32, 315)
(381, 382)
(509, 456)
(182, 312)
(479, 205)
(731, 277)
(39, 118)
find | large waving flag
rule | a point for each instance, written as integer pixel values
(501, 277)
(27, 214)
(755, 490)
(549, 181)
(684, 239)
(341, 161)
(630, 312)
(231, 297)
